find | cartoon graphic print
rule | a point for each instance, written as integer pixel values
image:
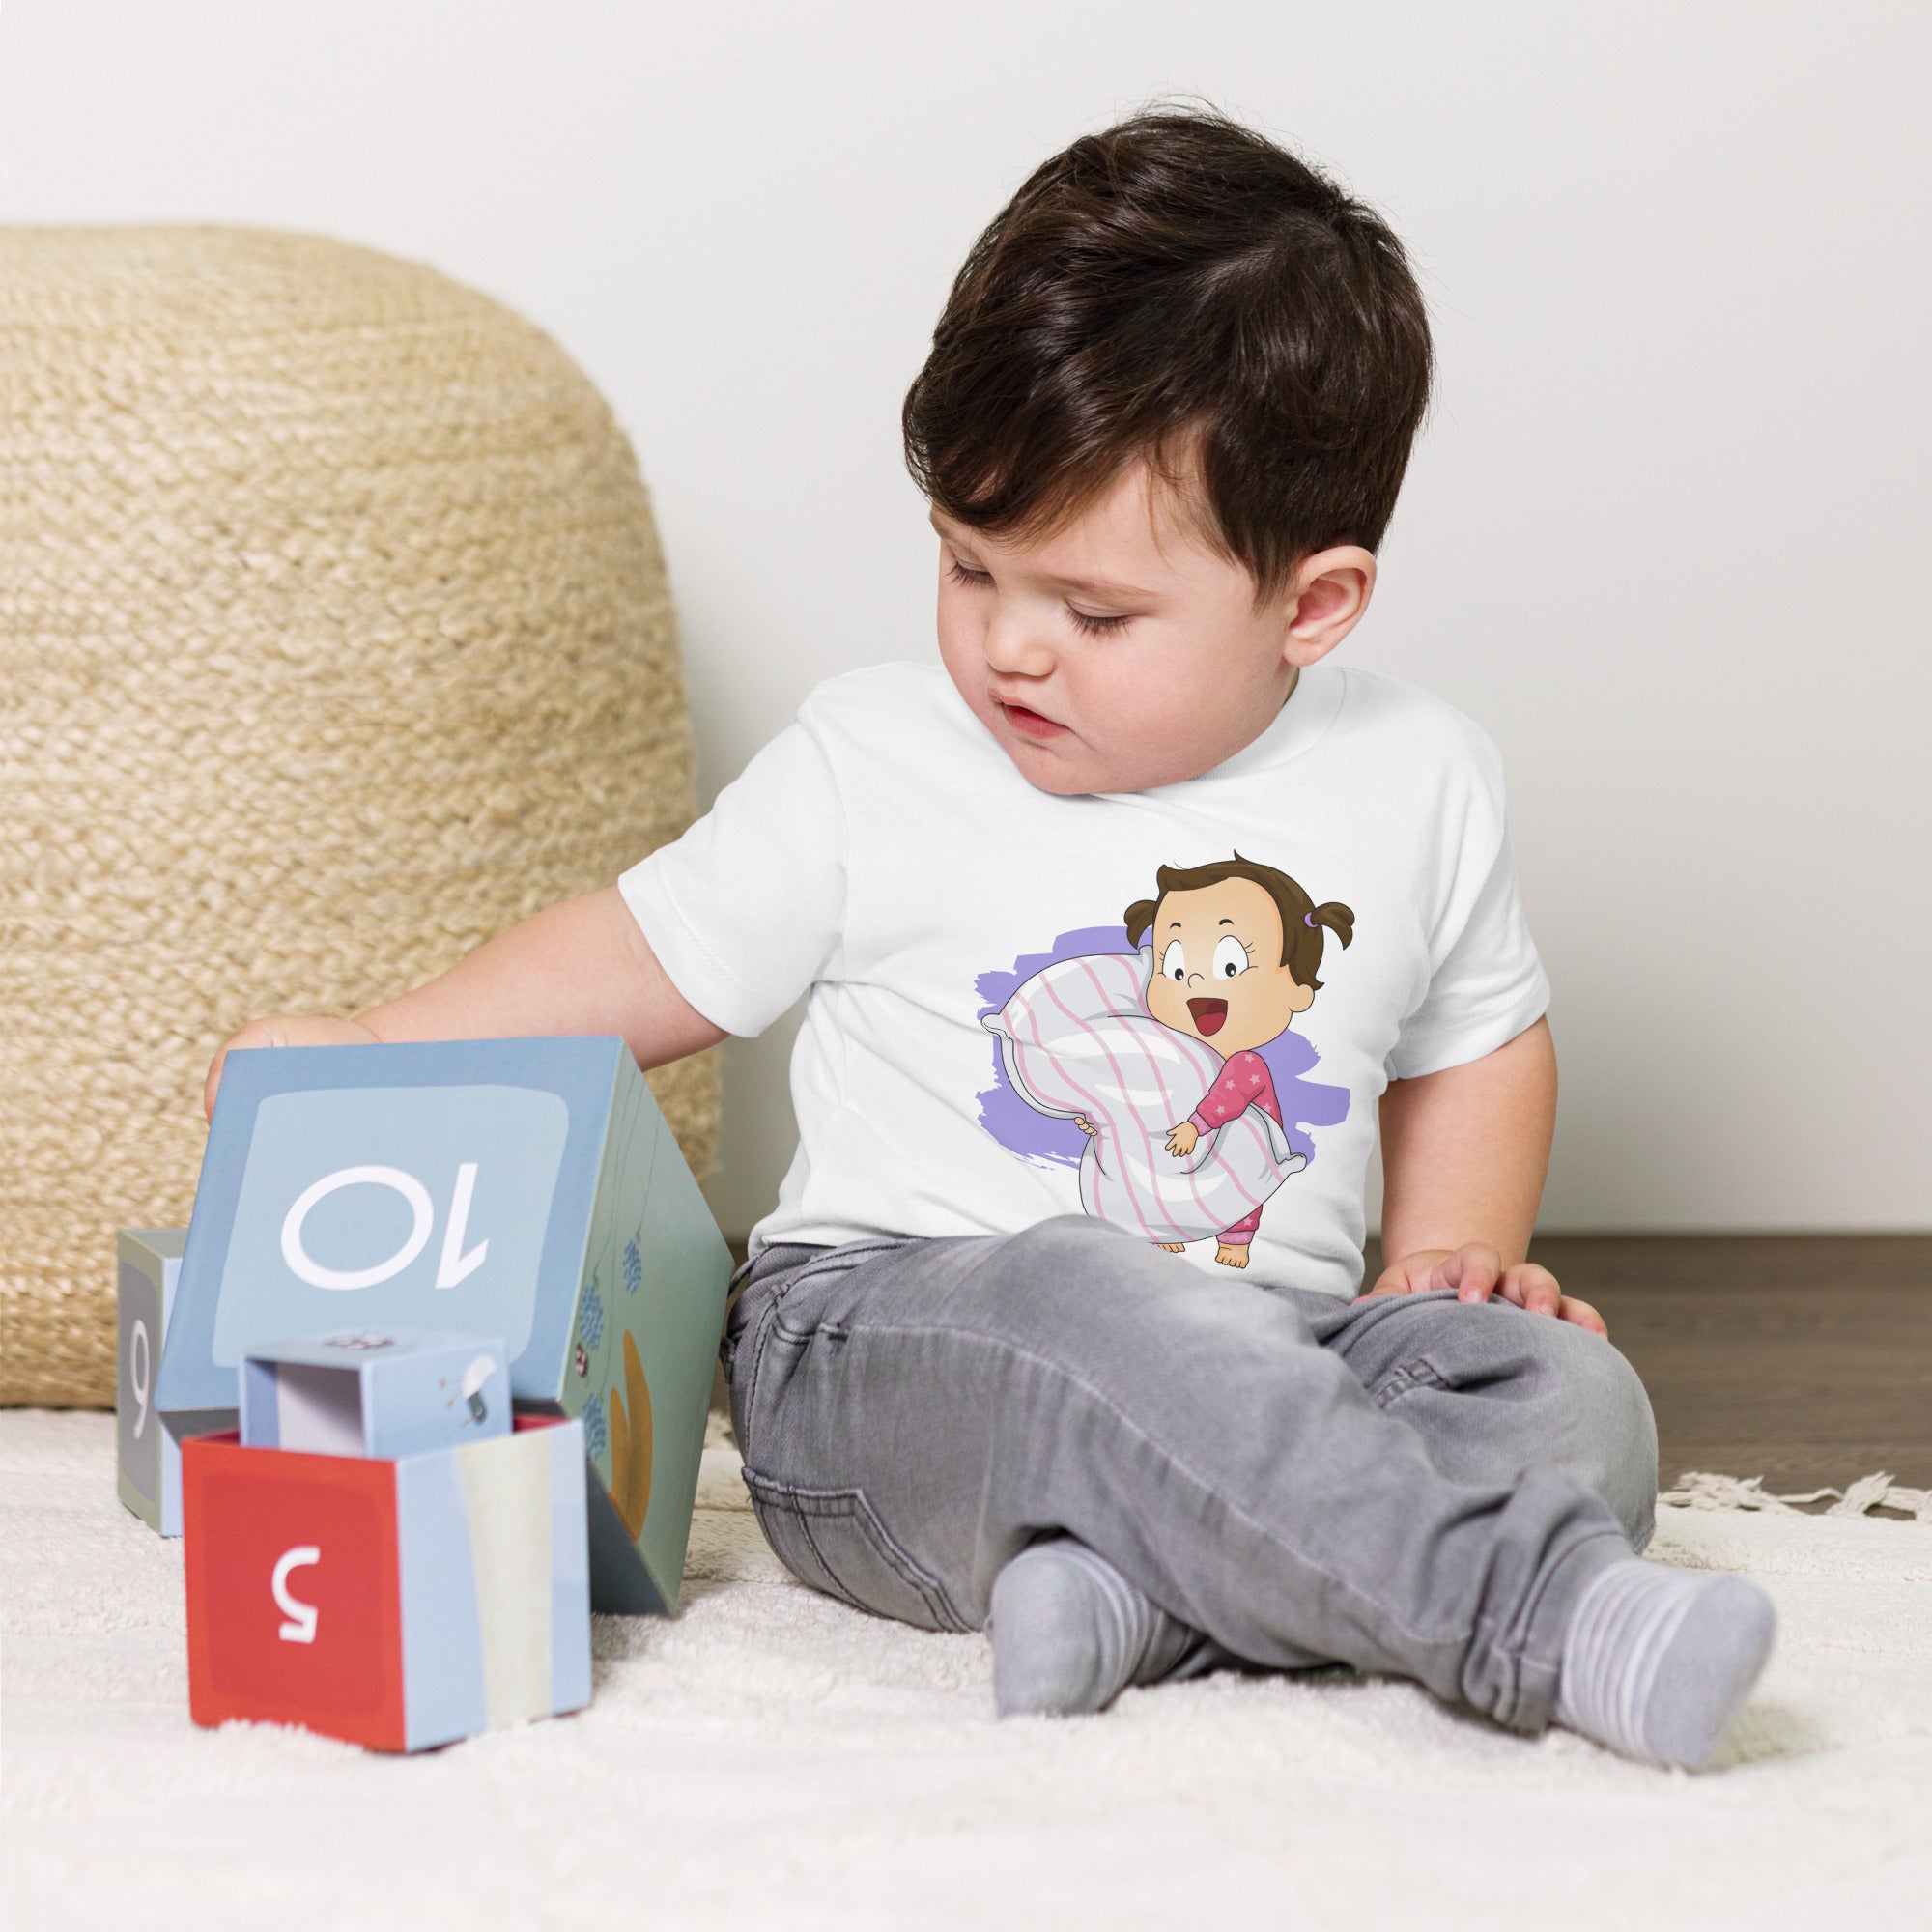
(1236, 948)
(1171, 1064)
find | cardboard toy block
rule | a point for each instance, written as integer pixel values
(399, 1605)
(383, 1395)
(149, 1477)
(526, 1189)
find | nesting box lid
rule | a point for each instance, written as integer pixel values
(375, 1393)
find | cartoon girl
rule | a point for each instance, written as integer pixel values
(1235, 947)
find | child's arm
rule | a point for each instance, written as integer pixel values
(580, 967)
(1464, 1152)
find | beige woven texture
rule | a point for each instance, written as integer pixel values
(334, 637)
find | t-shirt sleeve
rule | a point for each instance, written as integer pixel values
(744, 911)
(1486, 984)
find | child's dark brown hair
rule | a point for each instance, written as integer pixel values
(1179, 289)
(1301, 920)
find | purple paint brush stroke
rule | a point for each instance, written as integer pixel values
(1044, 1137)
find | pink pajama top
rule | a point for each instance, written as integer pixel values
(1244, 1082)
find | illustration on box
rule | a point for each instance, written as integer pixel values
(615, 1401)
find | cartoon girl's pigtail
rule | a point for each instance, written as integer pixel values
(1301, 954)
(1339, 919)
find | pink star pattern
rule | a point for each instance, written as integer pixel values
(1244, 1082)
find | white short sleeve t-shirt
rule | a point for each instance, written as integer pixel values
(979, 1053)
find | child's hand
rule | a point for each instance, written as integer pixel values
(1476, 1273)
(1085, 1125)
(285, 1029)
(1180, 1140)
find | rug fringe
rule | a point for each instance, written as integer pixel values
(1699, 1488)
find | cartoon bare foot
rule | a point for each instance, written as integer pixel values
(1173, 1247)
(1233, 1258)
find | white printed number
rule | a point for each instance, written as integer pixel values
(139, 1358)
(453, 1266)
(301, 1616)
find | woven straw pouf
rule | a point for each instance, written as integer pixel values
(334, 637)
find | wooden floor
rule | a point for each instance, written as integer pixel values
(1805, 1359)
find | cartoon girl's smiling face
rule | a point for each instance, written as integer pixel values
(1218, 973)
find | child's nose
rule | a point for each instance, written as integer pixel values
(1015, 649)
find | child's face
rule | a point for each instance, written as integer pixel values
(1123, 651)
(1217, 971)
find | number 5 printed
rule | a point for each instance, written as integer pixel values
(301, 1616)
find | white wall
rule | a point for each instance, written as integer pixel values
(1663, 537)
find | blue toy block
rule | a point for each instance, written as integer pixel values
(149, 1473)
(525, 1188)
(402, 1603)
(378, 1395)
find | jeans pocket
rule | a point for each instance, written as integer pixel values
(833, 1539)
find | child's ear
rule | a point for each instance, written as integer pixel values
(1324, 601)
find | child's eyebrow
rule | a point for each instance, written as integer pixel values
(958, 535)
(1227, 922)
(1097, 586)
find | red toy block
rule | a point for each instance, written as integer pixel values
(401, 1604)
(293, 1610)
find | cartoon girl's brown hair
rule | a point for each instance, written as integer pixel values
(1301, 920)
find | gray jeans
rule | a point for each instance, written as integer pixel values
(1408, 1484)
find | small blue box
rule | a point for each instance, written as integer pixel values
(383, 1395)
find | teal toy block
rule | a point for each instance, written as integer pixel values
(376, 1395)
(401, 1604)
(149, 1466)
(522, 1188)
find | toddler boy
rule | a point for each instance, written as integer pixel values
(1162, 428)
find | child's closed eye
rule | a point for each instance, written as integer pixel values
(1097, 626)
(975, 580)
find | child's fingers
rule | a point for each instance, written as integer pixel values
(1584, 1316)
(257, 1033)
(1533, 1288)
(1472, 1272)
(282, 1030)
(1413, 1274)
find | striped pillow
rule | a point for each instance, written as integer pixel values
(1077, 1039)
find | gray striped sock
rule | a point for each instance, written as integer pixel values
(1657, 1662)
(1070, 1633)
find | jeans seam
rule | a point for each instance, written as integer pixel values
(1414, 1374)
(803, 1502)
(1515, 1648)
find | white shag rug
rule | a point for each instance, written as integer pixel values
(772, 1759)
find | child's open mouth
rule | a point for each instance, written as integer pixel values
(1207, 1015)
